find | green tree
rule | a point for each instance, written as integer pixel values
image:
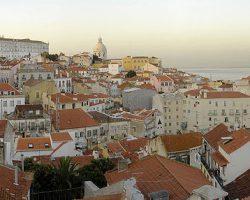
(52, 57)
(66, 172)
(93, 173)
(44, 179)
(103, 164)
(29, 164)
(130, 74)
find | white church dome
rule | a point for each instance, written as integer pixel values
(100, 49)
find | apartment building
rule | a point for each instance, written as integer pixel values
(172, 107)
(201, 110)
(9, 98)
(11, 48)
(33, 71)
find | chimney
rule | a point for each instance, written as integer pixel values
(16, 176)
(22, 160)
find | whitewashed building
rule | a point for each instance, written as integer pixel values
(201, 110)
(11, 48)
(9, 98)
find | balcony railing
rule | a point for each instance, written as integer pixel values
(214, 173)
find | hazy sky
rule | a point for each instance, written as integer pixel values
(184, 33)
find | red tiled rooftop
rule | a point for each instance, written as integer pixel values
(6, 87)
(240, 187)
(219, 159)
(239, 139)
(60, 136)
(38, 143)
(73, 118)
(183, 142)
(7, 182)
(214, 136)
(164, 78)
(226, 94)
(134, 145)
(3, 125)
(156, 173)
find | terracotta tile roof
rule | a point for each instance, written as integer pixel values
(130, 116)
(240, 187)
(239, 139)
(6, 87)
(7, 175)
(226, 94)
(38, 143)
(115, 147)
(214, 136)
(71, 98)
(197, 92)
(163, 78)
(147, 86)
(156, 173)
(60, 136)
(3, 125)
(104, 118)
(73, 118)
(134, 145)
(226, 85)
(182, 142)
(219, 159)
(106, 197)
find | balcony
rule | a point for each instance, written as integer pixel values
(213, 174)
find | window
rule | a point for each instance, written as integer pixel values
(63, 106)
(169, 124)
(4, 103)
(95, 132)
(12, 103)
(89, 133)
(210, 102)
(18, 102)
(76, 135)
(37, 95)
(216, 103)
(210, 118)
(225, 104)
(81, 134)
(30, 146)
(226, 119)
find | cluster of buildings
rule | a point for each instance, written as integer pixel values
(172, 135)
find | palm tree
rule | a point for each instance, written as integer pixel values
(66, 172)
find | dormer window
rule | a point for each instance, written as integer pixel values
(46, 145)
(30, 146)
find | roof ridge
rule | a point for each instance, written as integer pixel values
(58, 147)
(157, 157)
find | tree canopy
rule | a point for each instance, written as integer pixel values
(130, 74)
(66, 174)
(52, 57)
